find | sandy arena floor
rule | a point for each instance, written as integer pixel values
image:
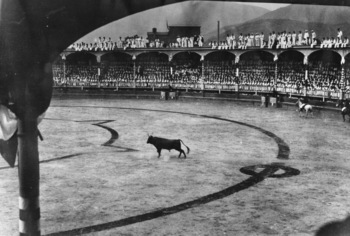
(251, 170)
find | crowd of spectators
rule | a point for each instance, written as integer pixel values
(278, 40)
(289, 77)
(74, 75)
(187, 42)
(104, 44)
(218, 73)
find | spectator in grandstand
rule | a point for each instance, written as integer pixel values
(313, 43)
(288, 37)
(184, 42)
(262, 40)
(338, 43)
(222, 45)
(306, 37)
(340, 34)
(313, 35)
(257, 40)
(228, 40)
(281, 40)
(251, 42)
(294, 38)
(240, 39)
(333, 41)
(248, 40)
(200, 40)
(178, 41)
(345, 42)
(241, 42)
(289, 44)
(213, 44)
(279, 43)
(269, 41)
(300, 39)
(245, 42)
(71, 47)
(231, 41)
(120, 42)
(324, 43)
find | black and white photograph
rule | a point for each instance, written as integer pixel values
(174, 118)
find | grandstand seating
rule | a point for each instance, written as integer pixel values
(256, 74)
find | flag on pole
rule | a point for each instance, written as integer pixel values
(8, 135)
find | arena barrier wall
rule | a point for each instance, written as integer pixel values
(255, 98)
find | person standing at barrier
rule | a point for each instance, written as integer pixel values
(270, 42)
(313, 43)
(240, 39)
(340, 34)
(294, 38)
(262, 37)
(345, 42)
(300, 39)
(228, 40)
(200, 41)
(289, 40)
(306, 37)
(178, 40)
(313, 35)
(257, 40)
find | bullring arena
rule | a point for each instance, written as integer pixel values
(256, 163)
(252, 170)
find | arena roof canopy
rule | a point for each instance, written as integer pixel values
(53, 25)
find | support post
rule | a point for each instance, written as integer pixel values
(275, 59)
(203, 75)
(134, 73)
(99, 76)
(64, 70)
(218, 33)
(324, 96)
(276, 75)
(28, 172)
(98, 59)
(342, 80)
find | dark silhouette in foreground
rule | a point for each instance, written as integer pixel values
(336, 228)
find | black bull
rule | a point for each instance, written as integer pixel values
(168, 144)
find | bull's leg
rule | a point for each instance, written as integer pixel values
(159, 150)
(179, 153)
(182, 151)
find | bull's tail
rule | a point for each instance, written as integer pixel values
(188, 149)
